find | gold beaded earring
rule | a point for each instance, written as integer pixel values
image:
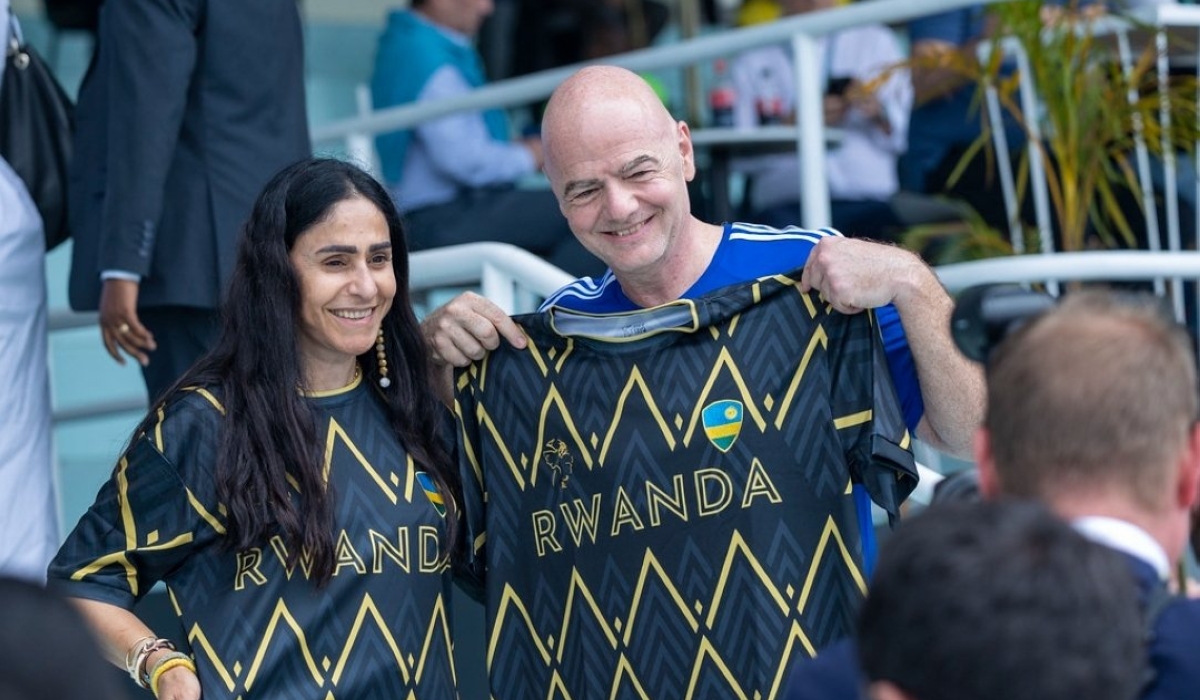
(381, 356)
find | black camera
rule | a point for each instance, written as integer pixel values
(986, 313)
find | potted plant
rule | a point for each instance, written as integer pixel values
(1090, 109)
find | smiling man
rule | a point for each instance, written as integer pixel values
(637, 563)
(619, 165)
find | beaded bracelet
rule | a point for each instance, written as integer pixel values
(169, 661)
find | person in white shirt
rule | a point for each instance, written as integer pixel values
(867, 99)
(28, 504)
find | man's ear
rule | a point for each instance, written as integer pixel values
(985, 462)
(687, 151)
(1188, 484)
(883, 690)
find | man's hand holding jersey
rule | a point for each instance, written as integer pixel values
(461, 331)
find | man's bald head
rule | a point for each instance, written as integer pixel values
(620, 165)
(599, 99)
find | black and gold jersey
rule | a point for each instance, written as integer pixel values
(662, 499)
(257, 626)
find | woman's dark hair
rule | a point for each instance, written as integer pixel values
(257, 371)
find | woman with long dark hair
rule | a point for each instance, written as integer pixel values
(291, 489)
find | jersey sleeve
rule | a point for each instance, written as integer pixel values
(875, 438)
(466, 450)
(146, 519)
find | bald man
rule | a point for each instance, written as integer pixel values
(619, 166)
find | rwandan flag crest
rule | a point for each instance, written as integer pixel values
(722, 423)
(432, 493)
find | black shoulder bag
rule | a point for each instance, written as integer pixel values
(36, 124)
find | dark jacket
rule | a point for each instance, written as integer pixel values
(188, 108)
(1174, 654)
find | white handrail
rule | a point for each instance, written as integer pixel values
(1087, 266)
(515, 279)
(536, 86)
(512, 277)
(470, 263)
(799, 29)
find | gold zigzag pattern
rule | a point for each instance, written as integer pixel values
(337, 434)
(478, 371)
(635, 381)
(581, 599)
(724, 362)
(334, 435)
(130, 530)
(467, 444)
(524, 471)
(486, 422)
(545, 360)
(554, 400)
(410, 667)
(819, 338)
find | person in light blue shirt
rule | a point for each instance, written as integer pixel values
(458, 177)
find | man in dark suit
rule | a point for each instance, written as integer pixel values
(1092, 409)
(996, 600)
(188, 108)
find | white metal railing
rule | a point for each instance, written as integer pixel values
(802, 30)
(515, 279)
(1147, 26)
(1087, 266)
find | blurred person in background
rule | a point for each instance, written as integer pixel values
(458, 178)
(1118, 458)
(28, 503)
(866, 98)
(186, 111)
(945, 122)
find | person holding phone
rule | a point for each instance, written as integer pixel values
(866, 98)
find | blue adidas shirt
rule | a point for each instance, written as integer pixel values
(746, 252)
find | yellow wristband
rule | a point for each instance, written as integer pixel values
(166, 664)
